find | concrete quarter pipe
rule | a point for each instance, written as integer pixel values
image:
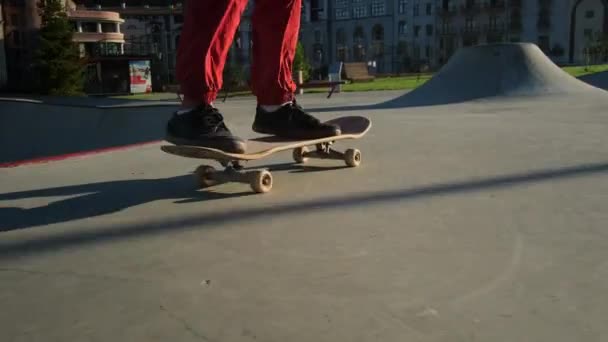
(509, 69)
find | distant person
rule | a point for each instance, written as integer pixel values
(207, 34)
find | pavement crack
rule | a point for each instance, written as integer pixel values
(185, 324)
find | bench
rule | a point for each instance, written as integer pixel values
(357, 72)
(334, 80)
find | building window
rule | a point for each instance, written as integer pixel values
(14, 20)
(402, 28)
(340, 37)
(416, 10)
(341, 3)
(588, 33)
(402, 6)
(543, 43)
(378, 8)
(589, 14)
(360, 12)
(429, 30)
(359, 35)
(493, 22)
(429, 9)
(178, 19)
(109, 27)
(416, 30)
(378, 40)
(89, 27)
(359, 44)
(342, 13)
(341, 53)
(469, 24)
(317, 36)
(378, 33)
(341, 44)
(16, 38)
(416, 51)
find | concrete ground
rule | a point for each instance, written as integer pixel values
(482, 221)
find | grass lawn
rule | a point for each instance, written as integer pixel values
(578, 71)
(381, 83)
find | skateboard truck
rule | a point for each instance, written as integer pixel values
(352, 157)
(259, 180)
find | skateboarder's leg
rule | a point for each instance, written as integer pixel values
(276, 26)
(206, 36)
(205, 39)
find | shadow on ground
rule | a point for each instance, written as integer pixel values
(115, 196)
(95, 199)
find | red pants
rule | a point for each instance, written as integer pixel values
(208, 32)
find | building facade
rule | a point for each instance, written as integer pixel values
(3, 62)
(21, 24)
(153, 27)
(407, 35)
(94, 31)
(97, 30)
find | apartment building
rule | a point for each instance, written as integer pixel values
(93, 30)
(402, 35)
(561, 28)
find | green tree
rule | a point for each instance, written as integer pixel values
(301, 63)
(57, 64)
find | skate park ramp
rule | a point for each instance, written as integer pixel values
(33, 129)
(485, 72)
(494, 70)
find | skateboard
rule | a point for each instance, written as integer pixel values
(261, 181)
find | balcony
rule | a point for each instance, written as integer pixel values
(92, 37)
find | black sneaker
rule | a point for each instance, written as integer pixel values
(203, 126)
(292, 122)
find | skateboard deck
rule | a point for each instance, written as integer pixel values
(352, 127)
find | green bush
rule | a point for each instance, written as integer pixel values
(57, 64)
(301, 63)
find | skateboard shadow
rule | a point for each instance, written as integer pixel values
(96, 199)
(114, 232)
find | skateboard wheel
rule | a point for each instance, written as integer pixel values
(204, 176)
(261, 181)
(298, 155)
(352, 157)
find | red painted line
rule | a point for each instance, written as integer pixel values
(48, 159)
